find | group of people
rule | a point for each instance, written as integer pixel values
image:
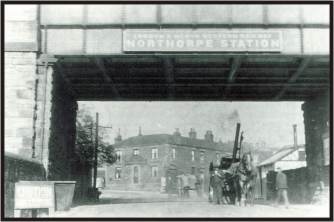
(186, 183)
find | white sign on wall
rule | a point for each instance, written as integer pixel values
(202, 41)
(29, 196)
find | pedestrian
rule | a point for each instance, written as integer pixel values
(186, 187)
(281, 187)
(180, 186)
(198, 186)
(217, 187)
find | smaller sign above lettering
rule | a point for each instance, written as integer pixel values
(201, 41)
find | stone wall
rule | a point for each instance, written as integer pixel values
(61, 140)
(316, 121)
(18, 168)
(20, 80)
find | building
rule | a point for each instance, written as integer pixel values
(145, 161)
(288, 158)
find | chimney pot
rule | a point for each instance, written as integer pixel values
(177, 132)
(208, 136)
(118, 138)
(192, 133)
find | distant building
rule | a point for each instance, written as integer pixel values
(287, 158)
(145, 161)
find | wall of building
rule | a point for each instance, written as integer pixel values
(20, 79)
(183, 163)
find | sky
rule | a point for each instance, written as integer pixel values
(269, 123)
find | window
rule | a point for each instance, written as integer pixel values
(135, 174)
(154, 171)
(193, 155)
(118, 156)
(135, 152)
(173, 153)
(193, 170)
(218, 158)
(155, 153)
(118, 173)
(202, 156)
(301, 155)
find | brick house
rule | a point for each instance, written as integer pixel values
(145, 161)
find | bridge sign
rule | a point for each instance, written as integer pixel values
(201, 41)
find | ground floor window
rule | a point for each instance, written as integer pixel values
(154, 171)
(135, 174)
(118, 173)
(193, 170)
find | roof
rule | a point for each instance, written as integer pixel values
(159, 139)
(280, 154)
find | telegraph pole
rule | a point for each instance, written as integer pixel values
(95, 148)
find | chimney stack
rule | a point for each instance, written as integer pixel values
(192, 133)
(118, 138)
(139, 133)
(208, 136)
(177, 132)
(295, 144)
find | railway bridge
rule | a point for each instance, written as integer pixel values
(57, 55)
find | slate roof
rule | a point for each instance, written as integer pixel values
(280, 154)
(159, 139)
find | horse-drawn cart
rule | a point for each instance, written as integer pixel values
(233, 179)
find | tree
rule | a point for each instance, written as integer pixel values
(85, 141)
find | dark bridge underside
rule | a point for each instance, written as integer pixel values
(196, 77)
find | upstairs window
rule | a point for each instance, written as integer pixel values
(136, 152)
(202, 156)
(193, 155)
(155, 153)
(173, 154)
(301, 155)
(118, 156)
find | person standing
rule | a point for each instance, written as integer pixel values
(217, 187)
(282, 187)
(185, 184)
(180, 185)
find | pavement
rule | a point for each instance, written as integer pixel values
(118, 204)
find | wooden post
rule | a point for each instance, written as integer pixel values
(96, 147)
(235, 148)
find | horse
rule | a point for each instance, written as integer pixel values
(244, 176)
